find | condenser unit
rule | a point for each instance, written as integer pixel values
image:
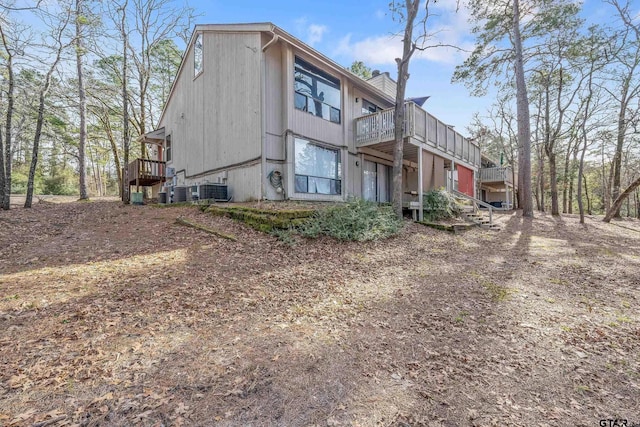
(179, 194)
(217, 192)
(193, 193)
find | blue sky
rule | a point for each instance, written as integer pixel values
(348, 30)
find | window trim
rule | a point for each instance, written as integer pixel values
(339, 172)
(197, 73)
(325, 78)
(366, 101)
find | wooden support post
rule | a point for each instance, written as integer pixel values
(475, 184)
(420, 184)
(453, 170)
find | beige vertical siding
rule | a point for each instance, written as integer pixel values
(275, 102)
(354, 183)
(215, 118)
(433, 174)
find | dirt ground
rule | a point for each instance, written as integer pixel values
(114, 315)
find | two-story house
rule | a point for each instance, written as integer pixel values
(259, 110)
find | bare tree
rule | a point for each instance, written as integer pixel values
(82, 97)
(626, 53)
(617, 203)
(524, 124)
(5, 170)
(407, 12)
(57, 38)
(153, 22)
(408, 48)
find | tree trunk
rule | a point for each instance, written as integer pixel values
(581, 174)
(606, 193)
(617, 158)
(615, 206)
(572, 169)
(6, 155)
(125, 108)
(553, 177)
(40, 119)
(567, 182)
(541, 206)
(82, 103)
(1, 169)
(524, 124)
(36, 147)
(399, 111)
(116, 156)
(586, 194)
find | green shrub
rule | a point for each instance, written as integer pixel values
(20, 179)
(64, 182)
(356, 220)
(439, 204)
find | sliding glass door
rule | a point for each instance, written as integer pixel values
(376, 183)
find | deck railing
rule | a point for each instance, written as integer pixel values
(499, 174)
(380, 126)
(422, 127)
(144, 169)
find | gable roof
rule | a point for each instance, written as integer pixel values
(279, 35)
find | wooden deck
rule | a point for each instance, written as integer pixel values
(420, 128)
(143, 172)
(499, 174)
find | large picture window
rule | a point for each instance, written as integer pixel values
(197, 55)
(317, 169)
(316, 92)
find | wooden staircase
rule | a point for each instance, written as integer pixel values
(476, 216)
(470, 212)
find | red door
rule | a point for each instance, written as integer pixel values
(465, 181)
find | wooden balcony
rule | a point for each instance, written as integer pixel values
(420, 127)
(379, 127)
(143, 172)
(499, 174)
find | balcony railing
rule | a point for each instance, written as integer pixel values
(422, 127)
(499, 174)
(380, 127)
(146, 171)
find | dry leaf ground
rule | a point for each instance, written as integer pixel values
(114, 315)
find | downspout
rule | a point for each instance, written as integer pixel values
(271, 42)
(263, 115)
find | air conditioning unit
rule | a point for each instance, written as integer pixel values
(170, 172)
(193, 193)
(180, 194)
(218, 192)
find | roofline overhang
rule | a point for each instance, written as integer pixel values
(284, 37)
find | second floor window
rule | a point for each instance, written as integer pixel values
(167, 150)
(316, 92)
(197, 55)
(369, 107)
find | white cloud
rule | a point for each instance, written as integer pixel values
(315, 33)
(380, 50)
(447, 27)
(310, 33)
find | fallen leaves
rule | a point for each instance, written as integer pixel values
(115, 316)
